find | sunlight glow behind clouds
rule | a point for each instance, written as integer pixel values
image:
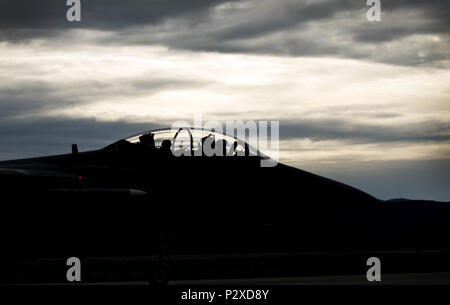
(156, 84)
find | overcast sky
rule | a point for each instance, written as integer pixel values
(367, 103)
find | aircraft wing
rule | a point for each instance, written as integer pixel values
(17, 172)
(30, 181)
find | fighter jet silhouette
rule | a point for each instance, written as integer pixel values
(155, 207)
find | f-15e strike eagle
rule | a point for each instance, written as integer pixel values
(135, 211)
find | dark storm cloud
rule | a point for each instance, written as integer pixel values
(29, 98)
(22, 19)
(334, 129)
(38, 97)
(271, 16)
(434, 18)
(42, 136)
(99, 14)
(291, 13)
(311, 28)
(283, 16)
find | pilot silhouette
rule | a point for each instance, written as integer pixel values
(165, 147)
(148, 141)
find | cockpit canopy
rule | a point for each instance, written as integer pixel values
(191, 140)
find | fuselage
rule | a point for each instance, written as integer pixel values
(133, 202)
